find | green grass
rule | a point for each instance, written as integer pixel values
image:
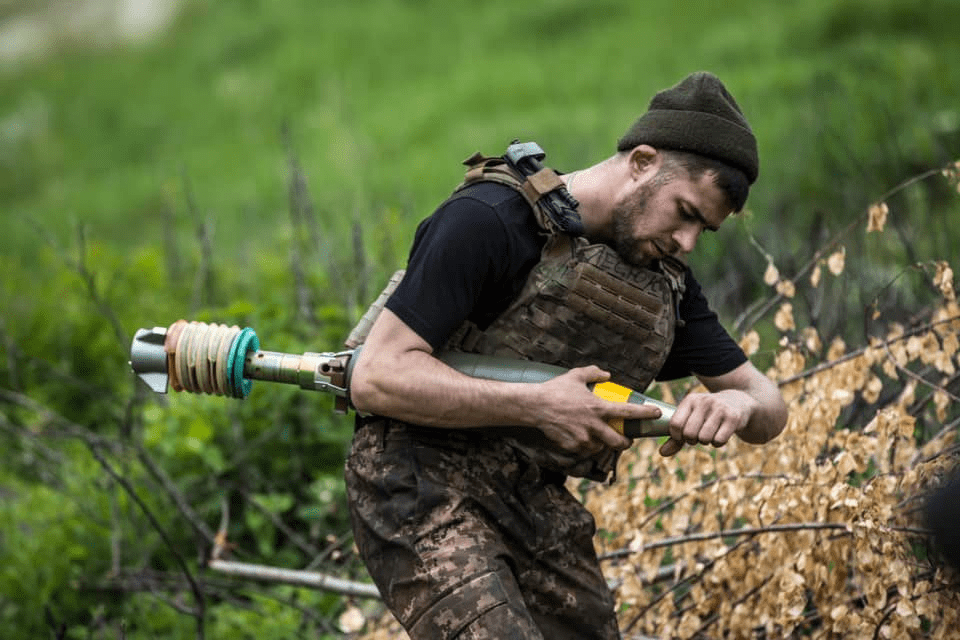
(383, 98)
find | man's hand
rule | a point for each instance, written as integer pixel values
(577, 420)
(708, 418)
(743, 402)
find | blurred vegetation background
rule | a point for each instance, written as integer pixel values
(265, 164)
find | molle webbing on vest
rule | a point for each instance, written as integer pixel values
(574, 310)
(605, 299)
(581, 305)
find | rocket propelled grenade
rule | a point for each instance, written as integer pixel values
(219, 360)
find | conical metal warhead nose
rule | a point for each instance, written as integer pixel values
(148, 358)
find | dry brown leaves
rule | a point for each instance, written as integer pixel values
(814, 534)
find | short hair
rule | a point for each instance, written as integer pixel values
(730, 180)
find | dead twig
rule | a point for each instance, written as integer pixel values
(204, 285)
(742, 324)
(96, 444)
(713, 535)
(198, 612)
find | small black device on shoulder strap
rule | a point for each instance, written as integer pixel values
(559, 204)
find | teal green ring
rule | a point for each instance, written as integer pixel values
(245, 341)
(231, 356)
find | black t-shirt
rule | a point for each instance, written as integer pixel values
(470, 259)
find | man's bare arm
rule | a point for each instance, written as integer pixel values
(743, 402)
(396, 375)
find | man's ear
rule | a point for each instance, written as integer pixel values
(644, 159)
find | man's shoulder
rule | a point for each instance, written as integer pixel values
(487, 207)
(494, 194)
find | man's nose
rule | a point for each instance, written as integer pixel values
(686, 237)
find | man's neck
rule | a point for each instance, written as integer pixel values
(594, 188)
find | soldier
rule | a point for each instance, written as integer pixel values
(456, 484)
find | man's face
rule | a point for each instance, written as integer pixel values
(665, 216)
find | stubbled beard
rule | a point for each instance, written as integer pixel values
(625, 214)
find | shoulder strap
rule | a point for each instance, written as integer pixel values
(533, 188)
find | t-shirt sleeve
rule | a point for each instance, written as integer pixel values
(702, 345)
(455, 253)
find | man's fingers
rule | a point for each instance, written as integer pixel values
(708, 431)
(630, 411)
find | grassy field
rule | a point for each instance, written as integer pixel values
(382, 99)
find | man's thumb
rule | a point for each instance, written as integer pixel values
(670, 448)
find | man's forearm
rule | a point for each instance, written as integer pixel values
(423, 390)
(766, 422)
(397, 376)
(769, 416)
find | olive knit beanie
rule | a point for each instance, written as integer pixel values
(697, 115)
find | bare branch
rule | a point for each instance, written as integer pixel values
(301, 216)
(824, 366)
(52, 456)
(198, 612)
(9, 347)
(53, 424)
(712, 535)
(199, 526)
(94, 444)
(171, 249)
(204, 284)
(80, 267)
(309, 579)
(745, 321)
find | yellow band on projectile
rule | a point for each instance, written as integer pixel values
(614, 393)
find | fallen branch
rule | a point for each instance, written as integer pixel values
(264, 573)
(294, 577)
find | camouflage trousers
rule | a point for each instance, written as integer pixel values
(467, 539)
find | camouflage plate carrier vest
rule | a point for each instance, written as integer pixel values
(580, 305)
